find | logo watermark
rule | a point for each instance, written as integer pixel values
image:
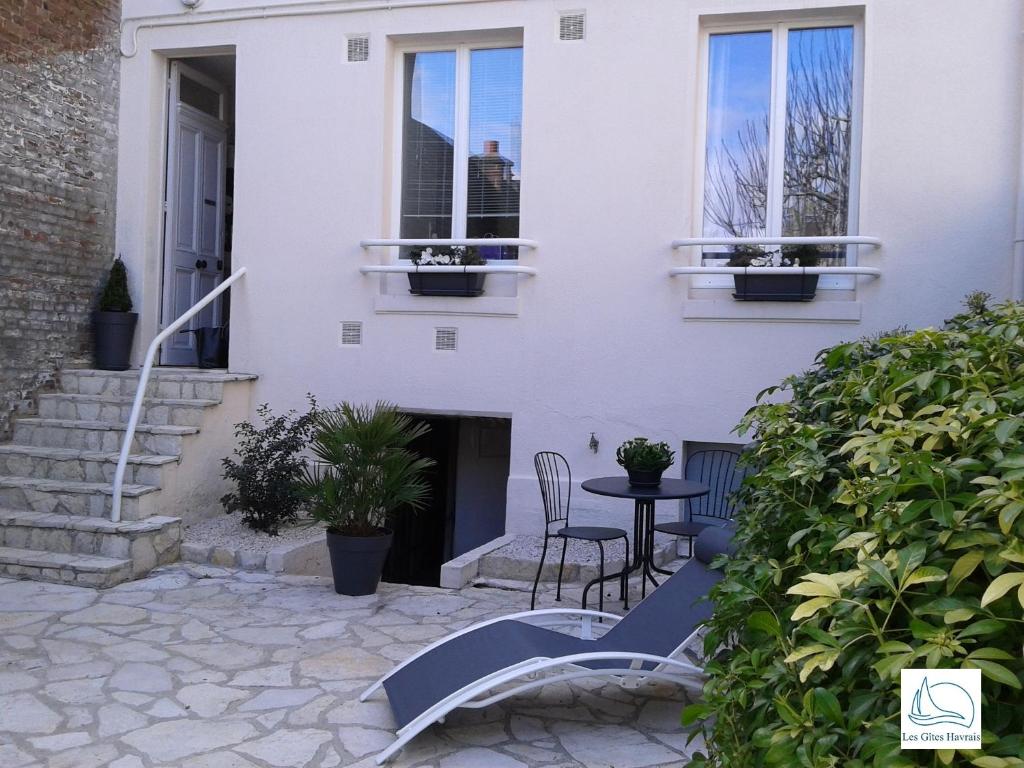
(940, 708)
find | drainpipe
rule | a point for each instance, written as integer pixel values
(130, 26)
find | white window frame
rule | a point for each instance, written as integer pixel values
(779, 28)
(460, 164)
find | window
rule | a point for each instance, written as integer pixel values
(461, 145)
(780, 135)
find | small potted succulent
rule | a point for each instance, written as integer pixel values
(364, 472)
(781, 287)
(447, 283)
(114, 322)
(644, 461)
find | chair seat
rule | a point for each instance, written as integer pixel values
(590, 533)
(681, 528)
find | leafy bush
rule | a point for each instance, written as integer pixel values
(883, 530)
(115, 296)
(267, 476)
(366, 470)
(640, 453)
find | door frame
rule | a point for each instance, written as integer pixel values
(175, 68)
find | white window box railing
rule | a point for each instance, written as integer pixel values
(845, 240)
(501, 268)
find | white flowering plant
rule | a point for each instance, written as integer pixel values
(786, 256)
(454, 256)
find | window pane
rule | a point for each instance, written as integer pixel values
(819, 116)
(428, 145)
(736, 154)
(495, 140)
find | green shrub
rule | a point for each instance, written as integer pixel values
(884, 529)
(267, 475)
(115, 296)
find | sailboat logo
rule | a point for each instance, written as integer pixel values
(942, 703)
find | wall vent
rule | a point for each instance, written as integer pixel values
(351, 333)
(358, 48)
(572, 25)
(446, 339)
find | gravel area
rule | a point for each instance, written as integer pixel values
(229, 532)
(528, 548)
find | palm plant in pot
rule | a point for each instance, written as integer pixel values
(644, 461)
(364, 472)
(114, 322)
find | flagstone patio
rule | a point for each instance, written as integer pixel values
(204, 667)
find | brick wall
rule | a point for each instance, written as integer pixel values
(58, 154)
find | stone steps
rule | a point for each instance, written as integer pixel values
(75, 498)
(80, 465)
(83, 570)
(160, 439)
(56, 476)
(146, 543)
(174, 383)
(177, 411)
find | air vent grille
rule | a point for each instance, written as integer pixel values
(351, 333)
(358, 48)
(572, 25)
(446, 339)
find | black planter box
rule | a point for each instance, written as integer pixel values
(763, 287)
(446, 283)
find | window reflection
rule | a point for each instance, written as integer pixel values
(819, 118)
(428, 145)
(495, 141)
(786, 175)
(739, 106)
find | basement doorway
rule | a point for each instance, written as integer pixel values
(198, 202)
(467, 500)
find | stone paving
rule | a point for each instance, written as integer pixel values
(203, 667)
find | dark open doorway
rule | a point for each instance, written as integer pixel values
(467, 502)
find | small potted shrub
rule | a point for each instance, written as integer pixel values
(644, 461)
(364, 472)
(447, 283)
(114, 322)
(781, 287)
(269, 468)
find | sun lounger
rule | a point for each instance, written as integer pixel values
(493, 660)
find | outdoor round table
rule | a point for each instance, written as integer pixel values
(643, 514)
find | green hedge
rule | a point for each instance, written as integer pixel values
(883, 530)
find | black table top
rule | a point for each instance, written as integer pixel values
(670, 488)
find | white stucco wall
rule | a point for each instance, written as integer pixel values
(600, 343)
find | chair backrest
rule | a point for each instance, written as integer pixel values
(716, 469)
(551, 469)
(659, 623)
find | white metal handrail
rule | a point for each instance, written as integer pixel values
(874, 242)
(140, 393)
(485, 268)
(517, 242)
(863, 271)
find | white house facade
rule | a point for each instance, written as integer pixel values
(614, 151)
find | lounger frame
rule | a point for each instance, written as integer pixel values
(541, 671)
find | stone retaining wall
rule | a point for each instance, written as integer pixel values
(58, 151)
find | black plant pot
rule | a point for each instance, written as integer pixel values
(446, 283)
(357, 561)
(645, 478)
(763, 287)
(113, 333)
